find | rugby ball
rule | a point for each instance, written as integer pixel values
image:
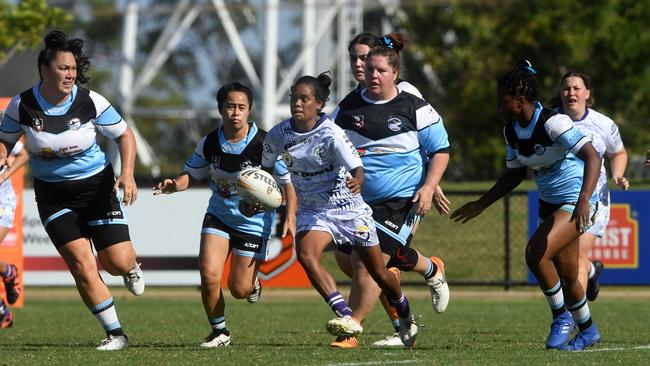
(256, 186)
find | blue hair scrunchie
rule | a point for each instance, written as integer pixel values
(526, 65)
(387, 42)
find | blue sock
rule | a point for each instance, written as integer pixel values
(338, 304)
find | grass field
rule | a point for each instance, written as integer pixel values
(480, 327)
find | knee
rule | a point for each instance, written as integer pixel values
(307, 259)
(210, 278)
(532, 258)
(239, 292)
(83, 269)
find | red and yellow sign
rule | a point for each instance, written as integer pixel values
(619, 247)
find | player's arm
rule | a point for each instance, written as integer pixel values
(22, 157)
(582, 213)
(178, 184)
(504, 185)
(434, 140)
(126, 180)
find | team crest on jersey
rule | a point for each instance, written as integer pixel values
(74, 124)
(319, 153)
(394, 124)
(37, 124)
(357, 121)
(539, 149)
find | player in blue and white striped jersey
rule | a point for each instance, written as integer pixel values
(327, 174)
(566, 168)
(220, 156)
(575, 95)
(405, 150)
(74, 183)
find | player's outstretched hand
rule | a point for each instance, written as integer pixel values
(467, 212)
(249, 209)
(167, 186)
(440, 201)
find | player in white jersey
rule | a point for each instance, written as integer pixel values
(9, 273)
(560, 156)
(575, 94)
(404, 150)
(75, 187)
(327, 174)
(220, 156)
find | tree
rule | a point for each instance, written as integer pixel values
(23, 25)
(470, 44)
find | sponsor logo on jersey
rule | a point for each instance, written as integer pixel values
(539, 149)
(114, 213)
(390, 224)
(394, 124)
(37, 124)
(357, 121)
(251, 245)
(74, 124)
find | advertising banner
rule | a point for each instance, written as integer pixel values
(621, 249)
(165, 231)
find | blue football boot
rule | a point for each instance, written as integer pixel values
(560, 331)
(584, 339)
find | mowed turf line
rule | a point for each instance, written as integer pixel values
(287, 328)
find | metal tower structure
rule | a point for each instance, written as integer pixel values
(327, 27)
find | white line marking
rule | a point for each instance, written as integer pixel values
(647, 346)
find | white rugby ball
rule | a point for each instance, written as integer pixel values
(256, 186)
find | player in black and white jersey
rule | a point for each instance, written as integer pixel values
(404, 148)
(576, 98)
(327, 174)
(220, 156)
(566, 168)
(75, 187)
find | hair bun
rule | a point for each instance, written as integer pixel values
(525, 65)
(324, 79)
(55, 39)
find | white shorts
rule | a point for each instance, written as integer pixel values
(7, 204)
(355, 226)
(602, 218)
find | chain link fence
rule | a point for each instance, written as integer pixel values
(486, 251)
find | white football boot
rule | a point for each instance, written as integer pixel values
(257, 292)
(344, 326)
(113, 343)
(392, 340)
(438, 287)
(216, 340)
(134, 280)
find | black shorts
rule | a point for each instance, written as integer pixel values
(243, 244)
(395, 220)
(82, 208)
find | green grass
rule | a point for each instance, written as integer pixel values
(287, 328)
